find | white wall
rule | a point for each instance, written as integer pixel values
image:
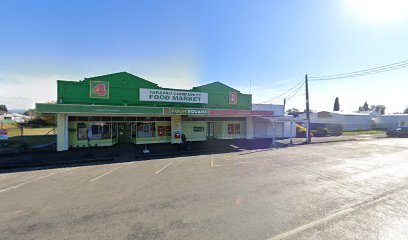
(264, 129)
(277, 109)
(349, 122)
(390, 121)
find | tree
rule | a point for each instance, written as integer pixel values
(379, 108)
(336, 104)
(364, 107)
(293, 111)
(3, 108)
(31, 113)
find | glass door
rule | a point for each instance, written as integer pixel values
(210, 130)
(124, 131)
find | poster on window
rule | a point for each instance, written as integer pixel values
(233, 98)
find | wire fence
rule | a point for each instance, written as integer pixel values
(13, 131)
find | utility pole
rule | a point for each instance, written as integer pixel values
(308, 138)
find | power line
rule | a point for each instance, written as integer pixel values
(287, 91)
(300, 95)
(374, 70)
(297, 90)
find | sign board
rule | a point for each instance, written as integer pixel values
(233, 98)
(3, 134)
(185, 111)
(161, 95)
(99, 89)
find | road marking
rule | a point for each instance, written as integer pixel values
(25, 183)
(212, 160)
(332, 216)
(105, 174)
(161, 169)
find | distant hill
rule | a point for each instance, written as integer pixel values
(19, 111)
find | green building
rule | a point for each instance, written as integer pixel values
(121, 107)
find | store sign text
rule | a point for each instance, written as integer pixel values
(158, 95)
(185, 111)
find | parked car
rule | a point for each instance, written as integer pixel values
(399, 132)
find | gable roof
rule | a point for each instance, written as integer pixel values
(119, 75)
(215, 84)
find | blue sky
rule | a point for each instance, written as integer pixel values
(182, 44)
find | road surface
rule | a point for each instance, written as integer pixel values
(345, 190)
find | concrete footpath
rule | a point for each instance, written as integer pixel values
(131, 152)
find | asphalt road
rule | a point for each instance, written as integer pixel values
(346, 190)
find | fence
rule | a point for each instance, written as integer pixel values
(13, 131)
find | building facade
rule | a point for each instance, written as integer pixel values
(348, 121)
(121, 107)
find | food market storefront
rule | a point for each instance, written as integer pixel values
(121, 107)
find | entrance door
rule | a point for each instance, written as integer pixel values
(210, 130)
(124, 130)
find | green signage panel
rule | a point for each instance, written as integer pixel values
(99, 89)
(186, 111)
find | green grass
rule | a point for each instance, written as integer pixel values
(363, 132)
(12, 132)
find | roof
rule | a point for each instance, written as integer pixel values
(345, 113)
(215, 83)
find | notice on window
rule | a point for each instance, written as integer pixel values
(3, 134)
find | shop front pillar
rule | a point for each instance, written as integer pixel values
(176, 131)
(249, 128)
(62, 132)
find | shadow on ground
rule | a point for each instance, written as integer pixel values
(125, 153)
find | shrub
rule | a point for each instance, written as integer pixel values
(301, 131)
(321, 132)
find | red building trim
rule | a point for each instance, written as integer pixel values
(228, 112)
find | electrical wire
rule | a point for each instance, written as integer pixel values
(297, 90)
(379, 69)
(287, 91)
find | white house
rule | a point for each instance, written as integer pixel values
(390, 121)
(350, 121)
(278, 126)
(13, 117)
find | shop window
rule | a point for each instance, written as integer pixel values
(130, 119)
(237, 128)
(230, 129)
(168, 131)
(82, 131)
(96, 131)
(198, 129)
(106, 119)
(145, 129)
(106, 131)
(94, 119)
(118, 119)
(114, 130)
(82, 119)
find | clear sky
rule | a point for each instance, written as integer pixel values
(182, 44)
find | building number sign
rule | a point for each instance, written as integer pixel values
(99, 89)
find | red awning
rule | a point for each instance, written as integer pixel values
(225, 112)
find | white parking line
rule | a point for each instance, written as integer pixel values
(24, 183)
(330, 217)
(161, 169)
(105, 174)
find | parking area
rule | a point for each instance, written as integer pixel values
(344, 190)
